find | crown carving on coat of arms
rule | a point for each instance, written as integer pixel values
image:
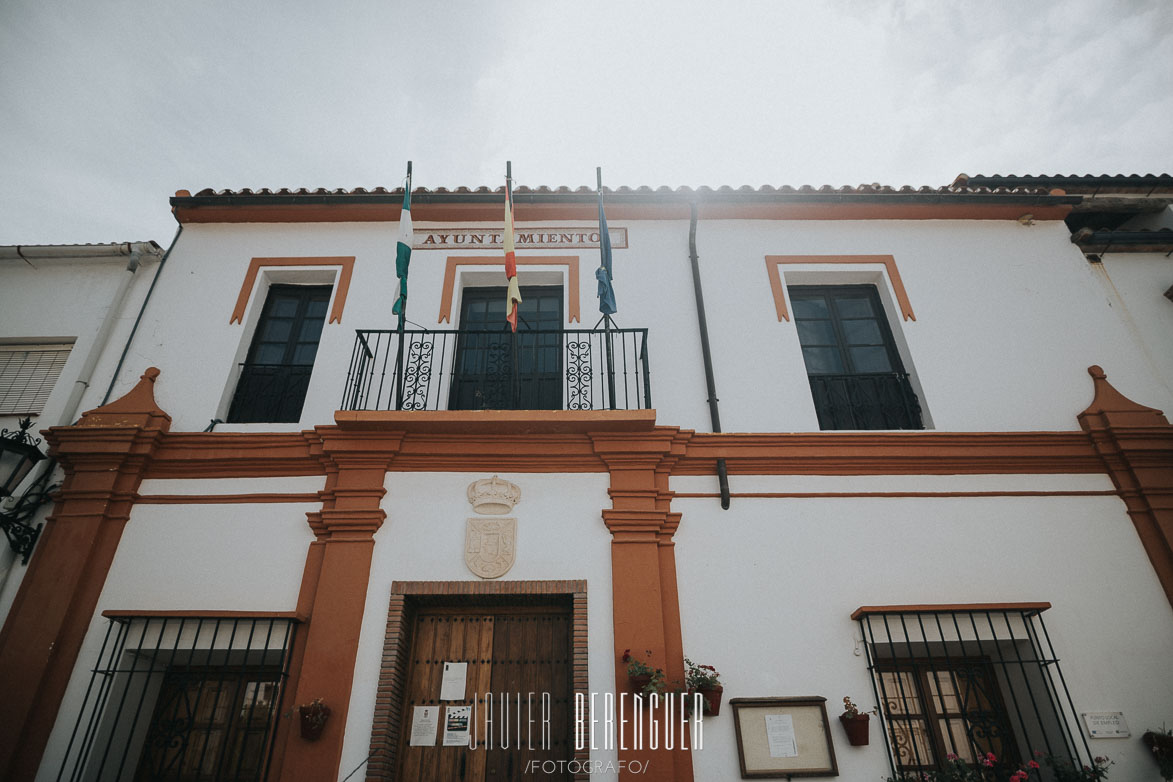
(493, 496)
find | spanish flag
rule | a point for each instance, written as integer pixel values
(513, 295)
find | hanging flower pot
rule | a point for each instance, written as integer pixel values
(855, 723)
(857, 729)
(644, 678)
(712, 696)
(313, 717)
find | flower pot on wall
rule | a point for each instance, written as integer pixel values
(313, 717)
(857, 729)
(712, 696)
(641, 681)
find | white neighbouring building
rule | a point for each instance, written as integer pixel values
(914, 456)
(66, 313)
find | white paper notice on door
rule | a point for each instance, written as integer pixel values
(456, 725)
(424, 722)
(780, 735)
(453, 681)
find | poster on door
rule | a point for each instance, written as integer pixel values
(457, 721)
(424, 723)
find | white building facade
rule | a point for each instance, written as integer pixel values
(934, 477)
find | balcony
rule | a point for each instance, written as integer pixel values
(499, 370)
(865, 401)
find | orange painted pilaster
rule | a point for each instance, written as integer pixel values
(1136, 445)
(643, 576)
(338, 567)
(104, 456)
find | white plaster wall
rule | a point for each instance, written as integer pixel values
(1136, 285)
(68, 299)
(560, 536)
(246, 557)
(64, 300)
(767, 589)
(1008, 317)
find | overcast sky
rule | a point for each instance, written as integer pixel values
(107, 108)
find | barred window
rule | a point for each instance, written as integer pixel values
(186, 698)
(28, 373)
(963, 681)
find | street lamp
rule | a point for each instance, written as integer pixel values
(18, 455)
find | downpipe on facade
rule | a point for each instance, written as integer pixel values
(141, 310)
(702, 321)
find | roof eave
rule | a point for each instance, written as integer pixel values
(713, 204)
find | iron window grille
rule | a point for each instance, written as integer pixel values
(183, 698)
(968, 680)
(856, 376)
(28, 374)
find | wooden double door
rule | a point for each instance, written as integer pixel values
(518, 683)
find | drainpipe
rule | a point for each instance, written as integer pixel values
(136, 251)
(710, 383)
(141, 310)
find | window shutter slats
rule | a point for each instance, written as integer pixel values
(27, 376)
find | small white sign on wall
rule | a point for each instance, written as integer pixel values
(1105, 725)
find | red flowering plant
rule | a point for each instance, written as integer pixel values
(700, 677)
(650, 679)
(987, 768)
(1067, 771)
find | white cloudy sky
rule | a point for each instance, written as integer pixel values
(107, 108)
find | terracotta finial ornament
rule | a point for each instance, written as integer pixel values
(1110, 402)
(138, 402)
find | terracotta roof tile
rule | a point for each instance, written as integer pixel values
(962, 186)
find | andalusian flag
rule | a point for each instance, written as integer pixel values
(513, 295)
(603, 273)
(403, 250)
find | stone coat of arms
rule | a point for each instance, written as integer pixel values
(490, 546)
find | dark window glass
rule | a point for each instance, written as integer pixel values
(497, 370)
(274, 379)
(937, 709)
(855, 373)
(210, 724)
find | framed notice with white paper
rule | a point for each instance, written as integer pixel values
(780, 738)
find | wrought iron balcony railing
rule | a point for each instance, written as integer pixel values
(269, 393)
(499, 370)
(873, 401)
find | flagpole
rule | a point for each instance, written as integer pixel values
(606, 316)
(515, 391)
(402, 312)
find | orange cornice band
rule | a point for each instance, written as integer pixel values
(221, 499)
(569, 261)
(254, 267)
(774, 261)
(677, 209)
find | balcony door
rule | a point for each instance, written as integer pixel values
(855, 373)
(274, 378)
(497, 370)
